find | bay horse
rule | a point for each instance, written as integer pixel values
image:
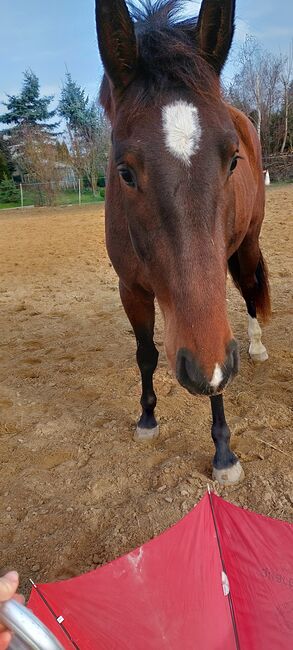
(184, 199)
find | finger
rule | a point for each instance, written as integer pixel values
(19, 598)
(8, 585)
(5, 638)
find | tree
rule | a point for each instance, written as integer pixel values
(6, 164)
(256, 87)
(9, 193)
(39, 159)
(290, 118)
(287, 83)
(73, 105)
(28, 108)
(3, 166)
(25, 112)
(88, 131)
(63, 152)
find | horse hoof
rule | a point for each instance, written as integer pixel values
(257, 352)
(230, 475)
(261, 356)
(144, 435)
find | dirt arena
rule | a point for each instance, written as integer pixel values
(75, 490)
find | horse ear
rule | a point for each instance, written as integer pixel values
(117, 42)
(215, 29)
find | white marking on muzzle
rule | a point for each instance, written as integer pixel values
(217, 377)
(182, 130)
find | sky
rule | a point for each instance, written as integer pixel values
(49, 37)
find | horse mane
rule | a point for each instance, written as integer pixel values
(169, 57)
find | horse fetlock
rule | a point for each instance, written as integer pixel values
(257, 350)
(228, 475)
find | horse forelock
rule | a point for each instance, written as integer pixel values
(156, 12)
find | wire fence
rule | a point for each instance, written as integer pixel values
(280, 167)
(53, 193)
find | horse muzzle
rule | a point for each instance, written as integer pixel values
(191, 376)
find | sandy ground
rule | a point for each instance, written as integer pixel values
(75, 490)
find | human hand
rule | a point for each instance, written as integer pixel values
(8, 587)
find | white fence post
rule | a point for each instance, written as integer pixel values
(21, 195)
(79, 192)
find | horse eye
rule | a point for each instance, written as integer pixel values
(233, 164)
(127, 175)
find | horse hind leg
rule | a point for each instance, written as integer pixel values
(139, 307)
(257, 350)
(249, 273)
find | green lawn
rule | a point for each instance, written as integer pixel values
(278, 184)
(72, 197)
(6, 206)
(65, 198)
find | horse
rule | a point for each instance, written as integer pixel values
(184, 200)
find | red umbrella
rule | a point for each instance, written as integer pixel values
(220, 579)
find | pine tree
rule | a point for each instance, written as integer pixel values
(3, 166)
(74, 105)
(88, 131)
(27, 115)
(6, 165)
(28, 108)
(9, 193)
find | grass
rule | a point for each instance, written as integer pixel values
(67, 197)
(6, 206)
(70, 197)
(279, 184)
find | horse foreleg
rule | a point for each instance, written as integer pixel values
(140, 309)
(226, 466)
(249, 273)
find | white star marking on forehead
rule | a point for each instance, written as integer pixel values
(182, 130)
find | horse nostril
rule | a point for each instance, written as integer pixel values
(189, 373)
(189, 367)
(191, 376)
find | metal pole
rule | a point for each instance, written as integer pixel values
(79, 192)
(225, 579)
(21, 195)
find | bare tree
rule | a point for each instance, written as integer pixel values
(88, 130)
(286, 78)
(256, 86)
(90, 147)
(38, 157)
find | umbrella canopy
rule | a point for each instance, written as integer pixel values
(219, 579)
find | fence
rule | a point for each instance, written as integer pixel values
(280, 167)
(53, 193)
